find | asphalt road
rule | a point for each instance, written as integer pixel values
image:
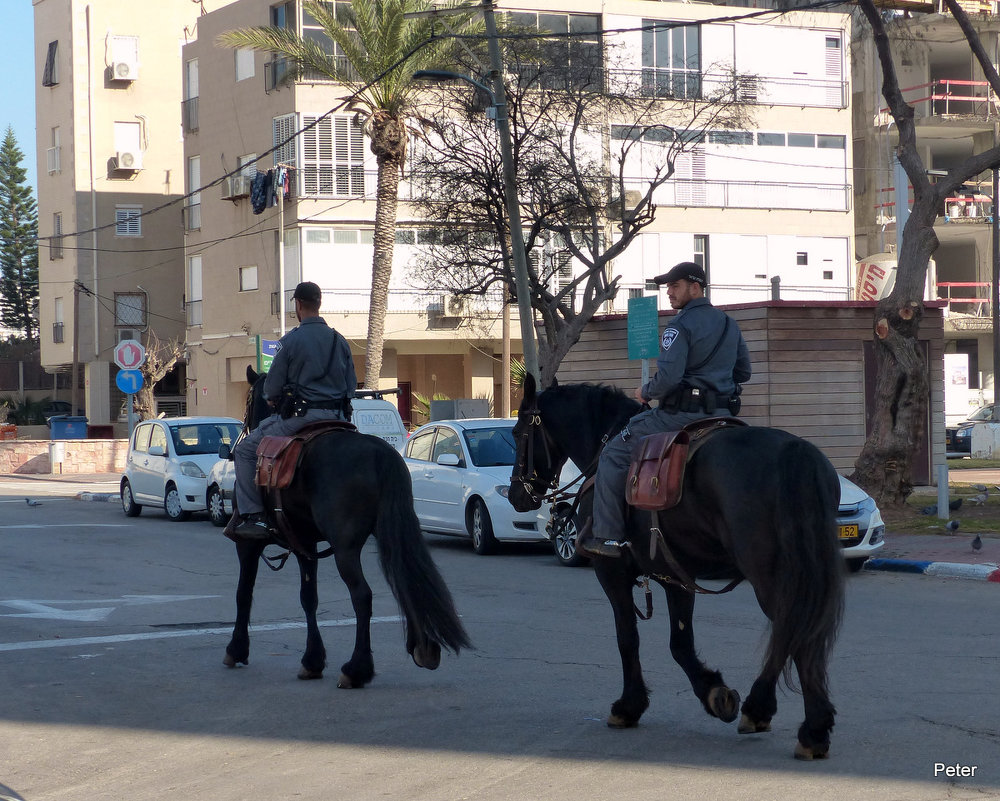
(112, 633)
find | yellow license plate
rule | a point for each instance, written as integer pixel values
(848, 532)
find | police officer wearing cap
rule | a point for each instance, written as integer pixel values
(703, 360)
(311, 378)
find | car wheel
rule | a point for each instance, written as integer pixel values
(855, 565)
(216, 506)
(129, 506)
(172, 504)
(481, 528)
(563, 532)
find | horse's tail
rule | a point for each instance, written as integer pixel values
(406, 562)
(808, 600)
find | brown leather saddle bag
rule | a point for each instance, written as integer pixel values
(656, 475)
(278, 457)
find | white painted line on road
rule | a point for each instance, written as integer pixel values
(164, 635)
(69, 525)
(48, 610)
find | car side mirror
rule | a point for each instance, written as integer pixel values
(449, 460)
(224, 451)
(157, 450)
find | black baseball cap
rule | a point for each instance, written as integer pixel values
(686, 270)
(309, 292)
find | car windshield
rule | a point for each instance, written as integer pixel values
(195, 438)
(986, 413)
(491, 447)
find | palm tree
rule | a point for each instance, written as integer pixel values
(378, 48)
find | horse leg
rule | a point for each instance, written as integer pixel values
(718, 699)
(314, 658)
(360, 668)
(814, 733)
(634, 700)
(238, 649)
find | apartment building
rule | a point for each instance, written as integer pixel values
(110, 167)
(753, 206)
(956, 116)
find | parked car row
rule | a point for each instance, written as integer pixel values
(460, 471)
(958, 439)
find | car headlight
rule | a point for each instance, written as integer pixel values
(502, 490)
(963, 433)
(191, 470)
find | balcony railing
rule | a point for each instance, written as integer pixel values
(971, 208)
(949, 98)
(967, 298)
(193, 309)
(58, 333)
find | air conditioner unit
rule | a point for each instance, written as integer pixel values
(128, 333)
(127, 160)
(124, 71)
(454, 306)
(632, 198)
(236, 186)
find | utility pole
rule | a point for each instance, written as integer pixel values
(73, 393)
(510, 194)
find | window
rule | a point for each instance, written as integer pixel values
(53, 156)
(671, 59)
(130, 309)
(802, 259)
(58, 325)
(193, 301)
(193, 202)
(572, 55)
(730, 137)
(801, 140)
(247, 165)
(141, 442)
(701, 251)
(128, 220)
(158, 438)
(189, 107)
(771, 139)
(831, 142)
(282, 16)
(56, 245)
(333, 153)
(50, 76)
(248, 278)
(313, 31)
(420, 446)
(245, 67)
(447, 442)
(283, 139)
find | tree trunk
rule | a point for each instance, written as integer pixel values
(388, 144)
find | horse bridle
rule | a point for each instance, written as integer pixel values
(524, 472)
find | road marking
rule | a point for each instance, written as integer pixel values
(68, 525)
(117, 638)
(47, 610)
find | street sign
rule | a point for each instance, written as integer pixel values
(643, 328)
(129, 354)
(129, 381)
(266, 348)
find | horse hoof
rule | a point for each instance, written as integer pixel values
(809, 753)
(429, 658)
(748, 726)
(618, 722)
(229, 662)
(724, 703)
(306, 674)
(345, 683)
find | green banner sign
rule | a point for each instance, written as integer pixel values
(643, 328)
(266, 348)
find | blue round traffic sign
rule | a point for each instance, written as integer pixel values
(129, 381)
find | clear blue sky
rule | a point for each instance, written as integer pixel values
(17, 65)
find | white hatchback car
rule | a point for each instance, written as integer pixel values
(372, 415)
(168, 462)
(461, 474)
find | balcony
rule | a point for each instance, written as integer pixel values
(189, 114)
(193, 309)
(969, 306)
(949, 100)
(58, 332)
(969, 208)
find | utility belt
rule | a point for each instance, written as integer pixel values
(294, 405)
(695, 399)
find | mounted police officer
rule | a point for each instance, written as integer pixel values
(311, 378)
(703, 360)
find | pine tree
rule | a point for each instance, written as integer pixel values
(18, 242)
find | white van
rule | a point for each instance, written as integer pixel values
(372, 415)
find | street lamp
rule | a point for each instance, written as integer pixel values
(499, 116)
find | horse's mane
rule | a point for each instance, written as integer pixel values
(610, 401)
(585, 413)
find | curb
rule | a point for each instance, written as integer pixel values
(103, 497)
(940, 569)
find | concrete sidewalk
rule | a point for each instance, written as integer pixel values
(945, 554)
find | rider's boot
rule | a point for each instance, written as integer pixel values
(588, 545)
(253, 527)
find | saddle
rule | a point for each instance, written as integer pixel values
(278, 457)
(656, 475)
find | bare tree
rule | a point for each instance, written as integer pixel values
(592, 146)
(160, 360)
(901, 389)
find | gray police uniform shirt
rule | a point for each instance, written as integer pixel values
(315, 357)
(688, 340)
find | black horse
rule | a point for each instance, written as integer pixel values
(758, 504)
(349, 486)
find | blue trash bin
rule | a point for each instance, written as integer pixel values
(65, 426)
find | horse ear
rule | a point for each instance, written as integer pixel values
(555, 383)
(252, 375)
(530, 388)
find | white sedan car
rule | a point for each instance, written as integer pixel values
(168, 462)
(461, 473)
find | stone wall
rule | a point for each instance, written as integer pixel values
(77, 456)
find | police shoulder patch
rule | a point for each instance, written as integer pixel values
(669, 335)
